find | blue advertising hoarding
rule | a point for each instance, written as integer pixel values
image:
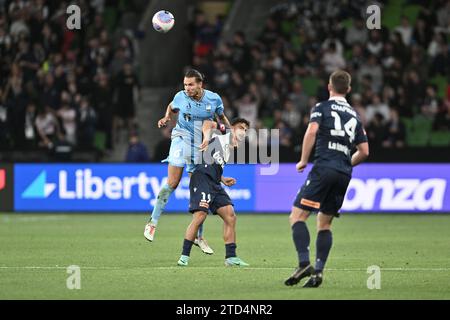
(373, 188)
(111, 187)
(127, 188)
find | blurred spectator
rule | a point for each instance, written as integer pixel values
(125, 85)
(373, 69)
(30, 132)
(442, 120)
(86, 120)
(163, 146)
(356, 103)
(47, 127)
(102, 102)
(375, 45)
(299, 98)
(68, 116)
(291, 115)
(377, 106)
(431, 103)
(396, 132)
(332, 59)
(376, 131)
(248, 108)
(405, 30)
(357, 33)
(137, 151)
(240, 58)
(4, 125)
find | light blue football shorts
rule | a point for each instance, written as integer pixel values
(181, 154)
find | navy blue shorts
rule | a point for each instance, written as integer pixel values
(324, 190)
(206, 195)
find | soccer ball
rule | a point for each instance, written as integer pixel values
(163, 21)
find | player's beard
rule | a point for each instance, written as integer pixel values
(198, 94)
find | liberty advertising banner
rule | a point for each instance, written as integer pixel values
(421, 188)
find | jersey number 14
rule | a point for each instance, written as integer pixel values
(349, 127)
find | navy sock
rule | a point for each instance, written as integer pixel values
(300, 235)
(323, 246)
(187, 246)
(230, 250)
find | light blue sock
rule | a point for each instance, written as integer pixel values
(200, 231)
(161, 202)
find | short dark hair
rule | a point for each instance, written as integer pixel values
(192, 73)
(340, 81)
(240, 120)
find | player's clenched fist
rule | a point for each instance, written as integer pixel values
(301, 166)
(163, 122)
(228, 181)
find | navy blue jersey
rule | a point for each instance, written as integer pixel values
(215, 157)
(340, 130)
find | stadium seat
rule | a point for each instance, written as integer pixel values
(110, 18)
(441, 83)
(411, 11)
(420, 130)
(100, 140)
(408, 124)
(440, 139)
(391, 14)
(310, 85)
(287, 27)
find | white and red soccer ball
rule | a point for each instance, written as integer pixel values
(163, 21)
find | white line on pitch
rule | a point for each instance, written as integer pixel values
(211, 268)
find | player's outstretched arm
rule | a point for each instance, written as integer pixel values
(361, 154)
(207, 128)
(167, 117)
(223, 118)
(308, 143)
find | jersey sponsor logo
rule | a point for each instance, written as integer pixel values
(316, 115)
(310, 203)
(338, 147)
(396, 194)
(219, 159)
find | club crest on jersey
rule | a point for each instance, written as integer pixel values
(208, 107)
(187, 116)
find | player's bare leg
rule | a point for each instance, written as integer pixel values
(323, 245)
(229, 236)
(197, 219)
(300, 235)
(173, 180)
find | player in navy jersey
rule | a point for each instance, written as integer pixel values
(335, 129)
(207, 193)
(193, 105)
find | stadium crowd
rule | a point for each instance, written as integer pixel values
(276, 79)
(61, 86)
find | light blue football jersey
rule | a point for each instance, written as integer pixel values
(192, 113)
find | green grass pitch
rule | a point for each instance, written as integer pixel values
(117, 263)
